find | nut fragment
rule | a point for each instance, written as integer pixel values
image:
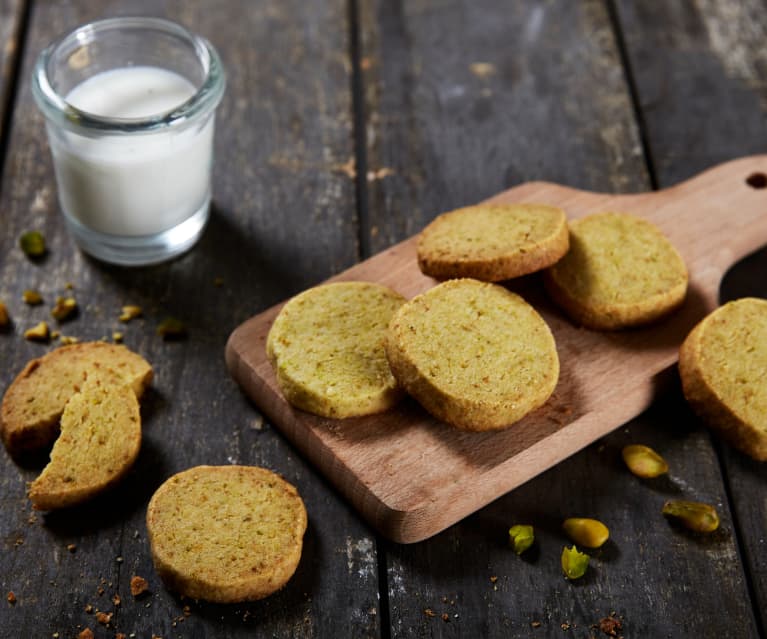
(68, 339)
(574, 562)
(5, 319)
(130, 312)
(38, 333)
(521, 537)
(138, 585)
(590, 533)
(692, 515)
(64, 307)
(32, 243)
(171, 328)
(117, 337)
(31, 297)
(643, 461)
(104, 617)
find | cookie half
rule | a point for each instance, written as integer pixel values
(493, 242)
(473, 354)
(99, 441)
(326, 348)
(620, 271)
(34, 401)
(226, 533)
(723, 366)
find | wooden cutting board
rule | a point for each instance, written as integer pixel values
(410, 475)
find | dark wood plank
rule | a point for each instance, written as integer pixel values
(11, 19)
(283, 219)
(549, 101)
(699, 73)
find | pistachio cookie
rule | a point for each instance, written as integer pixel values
(473, 354)
(723, 366)
(326, 348)
(226, 533)
(99, 441)
(620, 271)
(493, 242)
(34, 401)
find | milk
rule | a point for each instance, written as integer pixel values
(138, 184)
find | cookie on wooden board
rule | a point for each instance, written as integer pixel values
(493, 242)
(226, 533)
(99, 441)
(723, 366)
(473, 354)
(326, 348)
(34, 401)
(620, 271)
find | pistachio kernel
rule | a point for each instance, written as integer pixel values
(63, 308)
(643, 461)
(590, 533)
(31, 297)
(693, 515)
(574, 562)
(521, 537)
(171, 328)
(5, 319)
(38, 333)
(32, 243)
(130, 312)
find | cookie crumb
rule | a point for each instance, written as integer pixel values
(71, 547)
(116, 600)
(11, 597)
(610, 625)
(138, 585)
(535, 624)
(429, 612)
(86, 634)
(89, 608)
(104, 617)
(445, 617)
(493, 579)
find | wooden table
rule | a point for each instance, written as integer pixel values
(346, 127)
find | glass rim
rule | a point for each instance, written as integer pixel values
(205, 99)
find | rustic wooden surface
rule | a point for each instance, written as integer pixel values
(346, 126)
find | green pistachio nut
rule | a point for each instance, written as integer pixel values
(692, 515)
(643, 461)
(574, 562)
(521, 537)
(590, 533)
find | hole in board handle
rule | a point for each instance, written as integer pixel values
(757, 180)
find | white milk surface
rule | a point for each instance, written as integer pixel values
(141, 183)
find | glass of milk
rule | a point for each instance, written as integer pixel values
(129, 105)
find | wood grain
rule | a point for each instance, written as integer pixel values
(409, 475)
(702, 63)
(283, 216)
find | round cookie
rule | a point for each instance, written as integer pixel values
(493, 242)
(326, 348)
(226, 533)
(99, 441)
(722, 364)
(620, 271)
(33, 403)
(473, 354)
